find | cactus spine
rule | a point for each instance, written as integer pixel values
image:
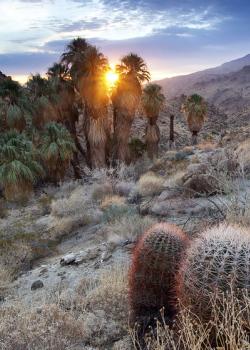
(219, 260)
(152, 277)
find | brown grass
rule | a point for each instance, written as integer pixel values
(227, 330)
(150, 184)
(128, 228)
(112, 200)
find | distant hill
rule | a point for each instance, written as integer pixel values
(226, 86)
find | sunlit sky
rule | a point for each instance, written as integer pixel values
(174, 37)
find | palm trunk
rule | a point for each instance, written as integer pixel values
(96, 137)
(171, 132)
(76, 166)
(194, 137)
(152, 138)
(122, 126)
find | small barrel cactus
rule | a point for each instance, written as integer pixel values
(152, 277)
(217, 261)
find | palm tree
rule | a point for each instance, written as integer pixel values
(195, 109)
(152, 103)
(72, 58)
(126, 98)
(57, 148)
(12, 107)
(66, 107)
(43, 95)
(58, 71)
(19, 168)
(94, 92)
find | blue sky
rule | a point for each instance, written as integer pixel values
(174, 37)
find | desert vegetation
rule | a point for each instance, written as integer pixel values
(115, 232)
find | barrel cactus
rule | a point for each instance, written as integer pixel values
(218, 261)
(152, 277)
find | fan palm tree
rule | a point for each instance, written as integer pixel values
(152, 103)
(66, 107)
(57, 148)
(72, 58)
(94, 92)
(12, 107)
(43, 96)
(195, 110)
(19, 168)
(126, 98)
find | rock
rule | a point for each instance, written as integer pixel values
(105, 256)
(67, 259)
(85, 256)
(168, 194)
(182, 206)
(37, 285)
(123, 344)
(43, 271)
(201, 184)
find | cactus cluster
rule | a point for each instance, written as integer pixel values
(152, 277)
(217, 261)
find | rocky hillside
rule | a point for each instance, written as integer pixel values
(226, 86)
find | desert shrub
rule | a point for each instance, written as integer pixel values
(74, 204)
(137, 148)
(116, 212)
(112, 200)
(101, 191)
(129, 227)
(150, 184)
(16, 255)
(72, 212)
(242, 155)
(44, 203)
(174, 180)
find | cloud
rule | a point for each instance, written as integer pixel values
(94, 23)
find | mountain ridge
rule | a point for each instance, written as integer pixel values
(226, 86)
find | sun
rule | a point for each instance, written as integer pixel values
(111, 78)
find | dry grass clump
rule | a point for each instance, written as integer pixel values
(72, 212)
(175, 179)
(242, 155)
(112, 200)
(15, 256)
(3, 209)
(128, 228)
(48, 328)
(228, 328)
(106, 308)
(44, 203)
(101, 191)
(69, 206)
(207, 146)
(150, 184)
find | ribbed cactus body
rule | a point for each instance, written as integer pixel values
(152, 278)
(218, 261)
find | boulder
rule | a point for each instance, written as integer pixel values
(37, 285)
